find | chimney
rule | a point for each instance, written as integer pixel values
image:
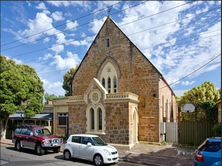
(49, 102)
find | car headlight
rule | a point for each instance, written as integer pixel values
(106, 151)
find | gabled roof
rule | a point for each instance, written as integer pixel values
(108, 18)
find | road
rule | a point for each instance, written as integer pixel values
(12, 157)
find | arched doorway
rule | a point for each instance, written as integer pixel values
(135, 127)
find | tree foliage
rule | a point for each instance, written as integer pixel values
(67, 78)
(51, 97)
(205, 92)
(203, 97)
(211, 111)
(20, 89)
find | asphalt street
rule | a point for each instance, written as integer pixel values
(12, 157)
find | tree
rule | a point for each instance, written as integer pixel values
(67, 80)
(51, 97)
(211, 111)
(20, 89)
(197, 95)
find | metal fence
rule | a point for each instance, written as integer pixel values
(194, 133)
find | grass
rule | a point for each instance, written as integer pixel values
(188, 146)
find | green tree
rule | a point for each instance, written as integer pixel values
(51, 97)
(20, 89)
(67, 78)
(197, 95)
(211, 111)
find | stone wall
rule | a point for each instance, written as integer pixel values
(137, 75)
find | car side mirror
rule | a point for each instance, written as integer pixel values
(31, 134)
(89, 144)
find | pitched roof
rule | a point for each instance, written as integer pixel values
(109, 18)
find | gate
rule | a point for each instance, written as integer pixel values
(172, 132)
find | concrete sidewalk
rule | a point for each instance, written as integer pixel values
(147, 154)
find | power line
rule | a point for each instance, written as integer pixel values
(98, 19)
(67, 29)
(62, 24)
(94, 34)
(63, 67)
(194, 71)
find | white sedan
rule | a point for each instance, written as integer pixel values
(89, 147)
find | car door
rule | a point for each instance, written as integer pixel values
(30, 139)
(74, 146)
(22, 137)
(85, 151)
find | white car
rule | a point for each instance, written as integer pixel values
(89, 147)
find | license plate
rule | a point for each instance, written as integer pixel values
(55, 144)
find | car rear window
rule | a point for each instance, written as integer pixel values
(210, 146)
(76, 139)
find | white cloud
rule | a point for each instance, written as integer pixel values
(66, 63)
(40, 24)
(57, 48)
(46, 40)
(187, 83)
(53, 87)
(71, 25)
(47, 56)
(96, 25)
(85, 4)
(41, 6)
(57, 16)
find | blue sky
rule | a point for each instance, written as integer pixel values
(178, 37)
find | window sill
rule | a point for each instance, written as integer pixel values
(97, 133)
(61, 125)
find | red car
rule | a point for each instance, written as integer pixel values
(36, 138)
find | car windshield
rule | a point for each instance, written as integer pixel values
(98, 141)
(42, 132)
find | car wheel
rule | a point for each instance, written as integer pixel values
(39, 149)
(66, 155)
(98, 160)
(18, 145)
(56, 150)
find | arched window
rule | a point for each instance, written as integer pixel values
(100, 119)
(104, 82)
(114, 84)
(108, 78)
(109, 85)
(92, 119)
(96, 119)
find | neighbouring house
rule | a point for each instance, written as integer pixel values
(117, 93)
(45, 118)
(60, 117)
(219, 110)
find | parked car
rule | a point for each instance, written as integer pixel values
(89, 147)
(37, 138)
(208, 153)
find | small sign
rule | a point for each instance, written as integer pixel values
(188, 108)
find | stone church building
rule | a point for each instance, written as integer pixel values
(117, 93)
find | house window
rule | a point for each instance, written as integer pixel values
(92, 119)
(104, 83)
(63, 118)
(100, 119)
(109, 85)
(114, 84)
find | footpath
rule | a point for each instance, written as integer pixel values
(148, 154)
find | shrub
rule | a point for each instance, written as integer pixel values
(217, 130)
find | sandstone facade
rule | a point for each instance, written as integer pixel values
(142, 99)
